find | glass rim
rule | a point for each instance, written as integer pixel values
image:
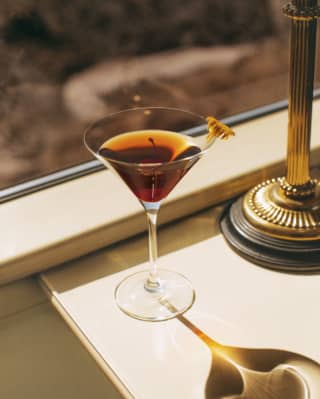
(148, 164)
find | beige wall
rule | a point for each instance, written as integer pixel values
(40, 358)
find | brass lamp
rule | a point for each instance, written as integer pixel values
(277, 223)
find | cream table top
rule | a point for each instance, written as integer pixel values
(237, 304)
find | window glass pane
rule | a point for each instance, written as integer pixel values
(66, 63)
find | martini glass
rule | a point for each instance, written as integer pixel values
(151, 150)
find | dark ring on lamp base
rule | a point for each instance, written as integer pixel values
(263, 250)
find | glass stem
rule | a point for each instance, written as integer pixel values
(152, 209)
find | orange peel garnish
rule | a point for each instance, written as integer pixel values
(218, 129)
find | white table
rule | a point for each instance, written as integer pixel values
(237, 304)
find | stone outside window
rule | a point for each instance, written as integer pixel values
(64, 64)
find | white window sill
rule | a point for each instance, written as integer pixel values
(66, 221)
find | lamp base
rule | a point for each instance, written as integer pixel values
(253, 244)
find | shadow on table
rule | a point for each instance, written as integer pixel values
(257, 373)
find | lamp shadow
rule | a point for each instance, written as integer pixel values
(244, 373)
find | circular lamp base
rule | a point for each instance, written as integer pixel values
(297, 256)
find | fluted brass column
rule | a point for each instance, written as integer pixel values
(302, 61)
(277, 223)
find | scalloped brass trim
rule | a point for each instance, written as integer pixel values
(302, 13)
(301, 191)
(267, 207)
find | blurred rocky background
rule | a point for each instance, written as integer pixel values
(66, 63)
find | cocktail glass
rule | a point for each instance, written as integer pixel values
(151, 150)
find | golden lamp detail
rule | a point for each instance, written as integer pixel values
(277, 223)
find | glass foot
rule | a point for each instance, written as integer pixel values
(174, 296)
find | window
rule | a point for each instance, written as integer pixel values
(65, 64)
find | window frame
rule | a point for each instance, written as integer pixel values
(85, 168)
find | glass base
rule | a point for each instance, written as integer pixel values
(174, 296)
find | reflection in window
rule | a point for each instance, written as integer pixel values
(64, 64)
